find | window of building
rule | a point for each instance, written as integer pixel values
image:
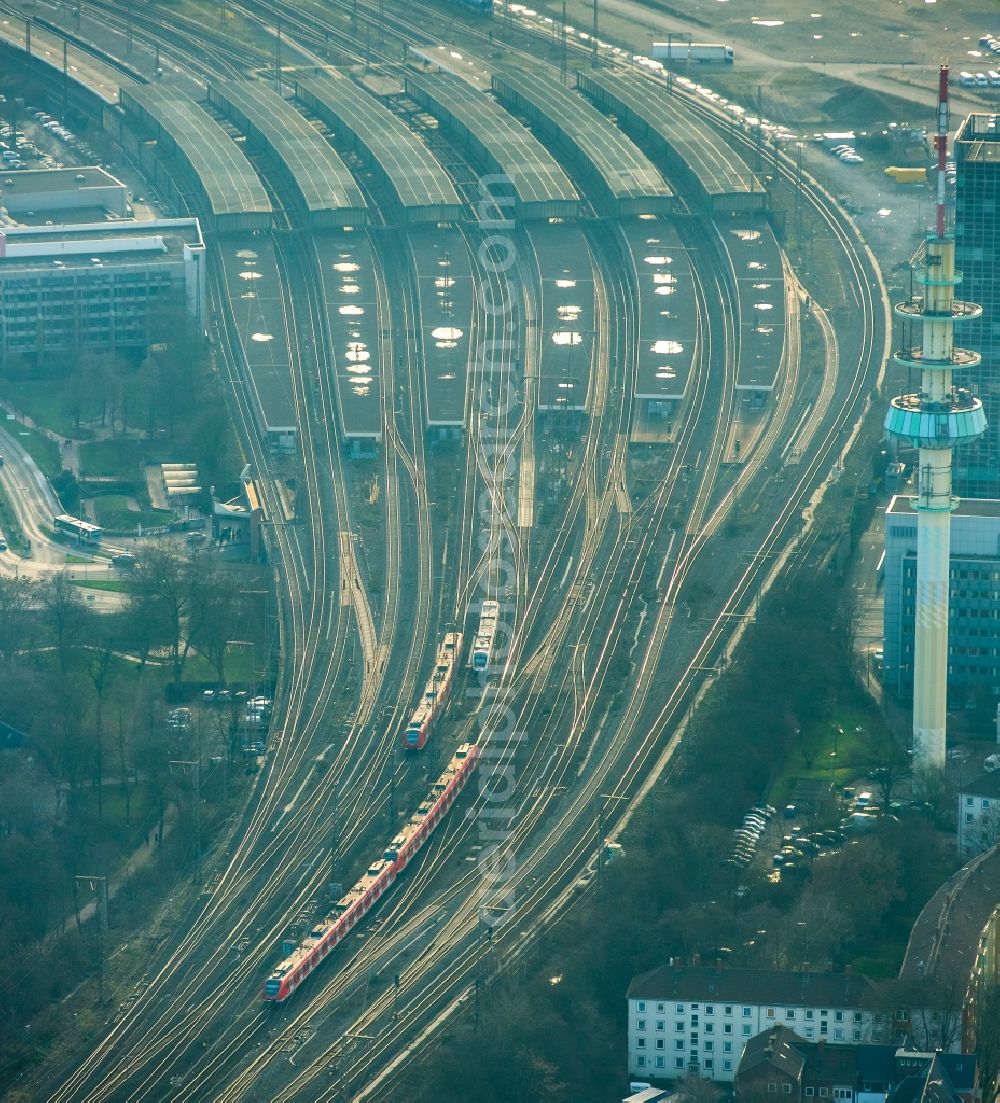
(746, 1031)
(709, 1046)
(858, 1016)
(772, 1086)
(640, 1043)
(659, 1062)
(709, 1008)
(809, 1013)
(842, 1093)
(823, 1014)
(789, 1014)
(770, 1012)
(839, 1034)
(810, 1032)
(695, 1006)
(727, 1047)
(659, 1043)
(839, 1016)
(660, 1008)
(857, 1035)
(641, 1005)
(709, 1064)
(810, 1090)
(728, 1009)
(823, 1028)
(727, 1065)
(678, 1026)
(661, 1025)
(824, 1091)
(787, 1089)
(727, 1028)
(709, 1028)
(678, 1062)
(640, 1062)
(679, 1009)
(640, 1024)
(679, 1044)
(746, 1012)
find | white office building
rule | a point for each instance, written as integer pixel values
(696, 1020)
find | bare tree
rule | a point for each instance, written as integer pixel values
(65, 613)
(885, 758)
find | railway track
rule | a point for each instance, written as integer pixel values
(554, 833)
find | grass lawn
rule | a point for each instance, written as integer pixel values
(43, 401)
(43, 451)
(100, 584)
(239, 660)
(839, 770)
(113, 512)
(122, 457)
(9, 522)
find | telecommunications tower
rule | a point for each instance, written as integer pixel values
(935, 420)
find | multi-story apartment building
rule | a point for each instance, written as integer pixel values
(974, 602)
(977, 246)
(979, 814)
(93, 286)
(698, 1019)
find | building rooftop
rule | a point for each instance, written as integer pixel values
(535, 175)
(783, 988)
(967, 507)
(983, 785)
(324, 182)
(36, 181)
(229, 181)
(627, 172)
(978, 138)
(720, 170)
(945, 938)
(778, 1047)
(413, 172)
(91, 244)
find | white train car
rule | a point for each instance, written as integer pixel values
(483, 647)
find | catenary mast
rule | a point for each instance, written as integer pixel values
(937, 419)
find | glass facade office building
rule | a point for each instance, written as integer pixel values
(977, 255)
(974, 598)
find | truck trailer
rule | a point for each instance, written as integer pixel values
(693, 51)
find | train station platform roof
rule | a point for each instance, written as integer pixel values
(668, 315)
(651, 113)
(422, 189)
(325, 186)
(499, 143)
(566, 316)
(630, 183)
(760, 287)
(347, 269)
(446, 294)
(233, 193)
(253, 288)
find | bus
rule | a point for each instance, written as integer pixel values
(83, 531)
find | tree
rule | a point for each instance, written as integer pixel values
(15, 602)
(100, 654)
(885, 758)
(65, 613)
(173, 583)
(933, 1004)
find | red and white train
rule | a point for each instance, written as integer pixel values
(435, 693)
(377, 881)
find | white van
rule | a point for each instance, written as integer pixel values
(994, 78)
(966, 80)
(982, 80)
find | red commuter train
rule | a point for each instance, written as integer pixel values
(377, 881)
(435, 693)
